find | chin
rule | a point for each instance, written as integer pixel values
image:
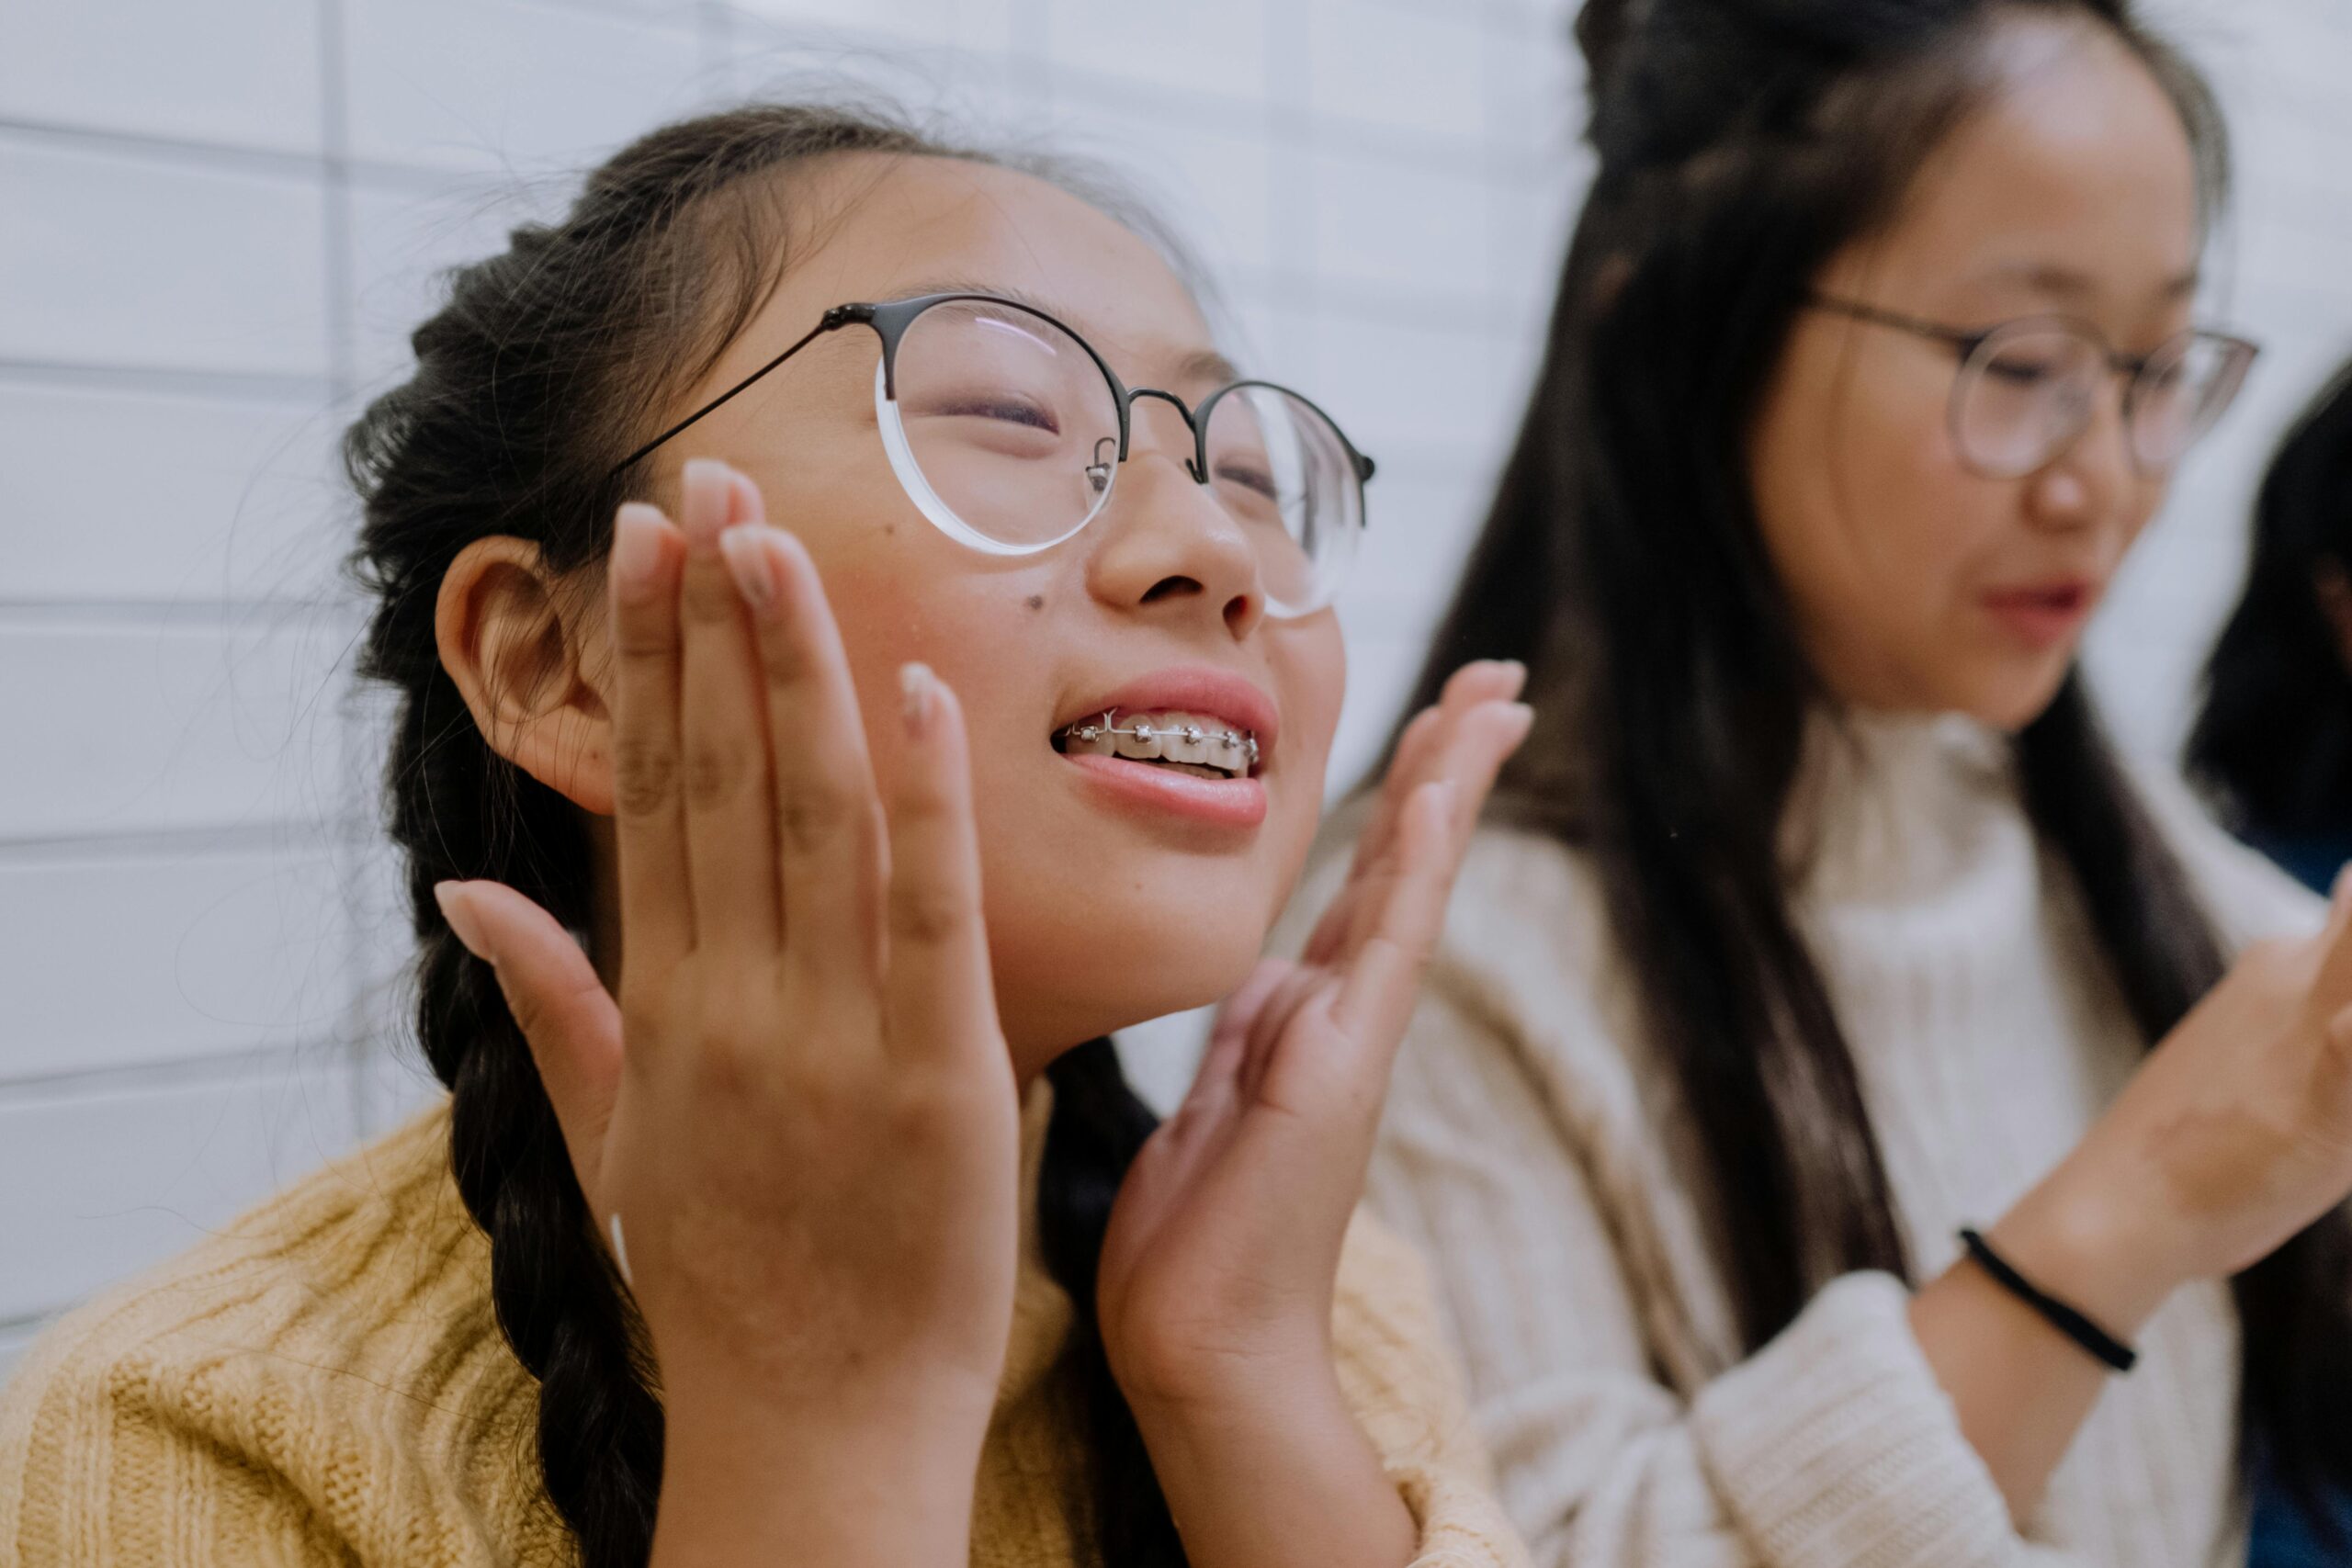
(2010, 697)
(1094, 972)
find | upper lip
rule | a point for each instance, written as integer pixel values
(1198, 688)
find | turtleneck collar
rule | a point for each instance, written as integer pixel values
(1891, 807)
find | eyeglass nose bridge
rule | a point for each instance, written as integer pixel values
(1197, 464)
(2126, 374)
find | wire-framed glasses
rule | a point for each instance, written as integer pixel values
(2028, 389)
(1007, 430)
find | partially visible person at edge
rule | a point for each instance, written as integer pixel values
(805, 1216)
(2274, 740)
(1824, 922)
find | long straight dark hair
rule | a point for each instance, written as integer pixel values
(548, 364)
(1741, 144)
(2274, 738)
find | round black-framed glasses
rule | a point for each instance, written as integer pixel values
(1007, 430)
(2027, 388)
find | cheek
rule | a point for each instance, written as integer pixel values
(895, 606)
(1866, 512)
(1918, 518)
(1309, 667)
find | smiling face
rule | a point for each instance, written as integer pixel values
(1116, 890)
(1916, 583)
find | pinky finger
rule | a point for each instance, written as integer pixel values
(938, 997)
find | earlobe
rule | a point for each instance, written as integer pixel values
(2332, 585)
(513, 635)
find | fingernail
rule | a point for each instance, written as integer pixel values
(916, 684)
(1518, 672)
(742, 496)
(637, 546)
(458, 911)
(697, 475)
(751, 565)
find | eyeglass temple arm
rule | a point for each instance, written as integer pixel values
(833, 320)
(1900, 322)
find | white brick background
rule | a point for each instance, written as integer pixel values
(218, 221)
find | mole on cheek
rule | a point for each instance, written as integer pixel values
(1036, 601)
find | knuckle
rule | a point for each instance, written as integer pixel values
(928, 913)
(714, 771)
(809, 818)
(639, 635)
(645, 777)
(731, 1034)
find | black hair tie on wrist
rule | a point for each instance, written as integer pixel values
(2061, 1316)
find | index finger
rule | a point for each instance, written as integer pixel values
(657, 912)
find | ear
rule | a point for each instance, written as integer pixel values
(2332, 587)
(520, 642)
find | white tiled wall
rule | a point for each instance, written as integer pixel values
(218, 221)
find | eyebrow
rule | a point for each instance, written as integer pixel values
(1197, 364)
(2069, 284)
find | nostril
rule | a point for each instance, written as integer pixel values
(1170, 587)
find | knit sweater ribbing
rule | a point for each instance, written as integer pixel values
(325, 1382)
(1533, 1146)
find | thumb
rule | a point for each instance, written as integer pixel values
(571, 1020)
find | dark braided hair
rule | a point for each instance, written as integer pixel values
(1741, 144)
(546, 364)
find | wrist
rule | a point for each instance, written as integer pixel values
(1209, 1382)
(742, 1483)
(2080, 1240)
(1279, 1474)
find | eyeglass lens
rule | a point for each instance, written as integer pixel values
(1015, 429)
(2031, 389)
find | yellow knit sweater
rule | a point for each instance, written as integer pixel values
(324, 1382)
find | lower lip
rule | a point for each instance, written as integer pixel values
(2044, 620)
(1227, 803)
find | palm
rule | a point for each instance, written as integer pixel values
(1232, 1216)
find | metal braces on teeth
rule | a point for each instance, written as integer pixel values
(1229, 739)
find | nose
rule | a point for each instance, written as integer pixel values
(2087, 482)
(1166, 546)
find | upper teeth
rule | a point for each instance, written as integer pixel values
(1171, 737)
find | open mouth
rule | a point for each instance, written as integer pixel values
(1197, 744)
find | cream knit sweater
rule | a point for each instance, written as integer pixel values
(1533, 1149)
(325, 1383)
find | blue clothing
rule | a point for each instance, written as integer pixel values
(2281, 1537)
(2312, 861)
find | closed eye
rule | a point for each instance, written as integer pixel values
(1008, 411)
(1250, 479)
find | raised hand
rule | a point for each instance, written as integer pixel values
(1216, 1278)
(2233, 1135)
(798, 1120)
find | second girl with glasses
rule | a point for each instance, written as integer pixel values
(788, 1206)
(1857, 1123)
